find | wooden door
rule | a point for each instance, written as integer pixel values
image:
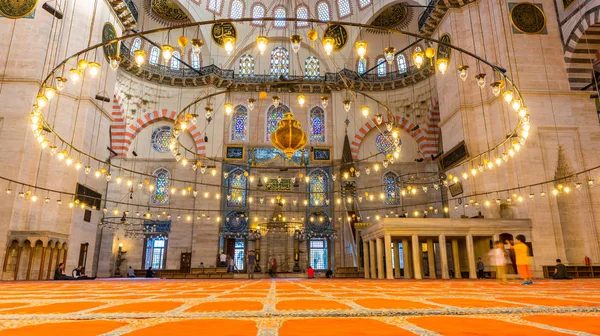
(230, 247)
(186, 262)
(83, 250)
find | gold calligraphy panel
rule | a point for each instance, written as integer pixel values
(339, 34)
(444, 51)
(528, 18)
(221, 30)
(16, 9)
(109, 33)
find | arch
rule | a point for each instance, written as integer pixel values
(401, 62)
(390, 188)
(312, 69)
(236, 188)
(279, 12)
(317, 125)
(246, 65)
(361, 66)
(239, 124)
(381, 67)
(302, 12)
(236, 9)
(153, 59)
(274, 114)
(122, 135)
(280, 62)
(136, 45)
(323, 11)
(175, 63)
(344, 9)
(214, 6)
(317, 187)
(362, 4)
(579, 76)
(162, 186)
(258, 12)
(196, 60)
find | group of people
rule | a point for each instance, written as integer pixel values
(498, 257)
(76, 274)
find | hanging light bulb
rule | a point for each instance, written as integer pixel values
(481, 80)
(75, 75)
(167, 52)
(62, 154)
(60, 83)
(197, 46)
(365, 111)
(389, 53)
(508, 96)
(324, 101)
(347, 104)
(442, 65)
(418, 58)
(82, 64)
(94, 69)
(276, 101)
(522, 111)
(41, 100)
(516, 104)
(295, 39)
(361, 48)
(261, 44)
(139, 56)
(114, 62)
(87, 169)
(229, 43)
(251, 103)
(496, 88)
(463, 72)
(228, 108)
(378, 118)
(49, 92)
(301, 99)
(328, 43)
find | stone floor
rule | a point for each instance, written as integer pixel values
(299, 307)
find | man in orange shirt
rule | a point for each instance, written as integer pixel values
(522, 256)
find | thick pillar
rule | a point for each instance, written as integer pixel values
(6, 256)
(50, 263)
(379, 245)
(416, 252)
(41, 275)
(366, 265)
(372, 259)
(387, 248)
(456, 259)
(29, 262)
(444, 256)
(396, 251)
(431, 259)
(19, 250)
(406, 256)
(471, 256)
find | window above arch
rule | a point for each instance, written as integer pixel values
(280, 61)
(239, 124)
(361, 66)
(258, 12)
(390, 188)
(154, 55)
(236, 11)
(323, 12)
(317, 188)
(381, 67)
(214, 6)
(279, 14)
(196, 64)
(364, 3)
(302, 13)
(136, 45)
(162, 186)
(160, 139)
(344, 8)
(401, 63)
(175, 60)
(317, 125)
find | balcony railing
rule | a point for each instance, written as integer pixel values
(425, 15)
(132, 9)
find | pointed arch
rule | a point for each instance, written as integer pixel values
(237, 187)
(401, 60)
(381, 67)
(274, 114)
(239, 124)
(280, 62)
(136, 45)
(279, 13)
(361, 66)
(246, 65)
(175, 60)
(258, 12)
(301, 13)
(312, 69)
(323, 11)
(344, 8)
(317, 124)
(236, 10)
(317, 188)
(162, 187)
(154, 56)
(390, 188)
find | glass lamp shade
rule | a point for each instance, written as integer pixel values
(328, 43)
(480, 80)
(167, 52)
(301, 99)
(82, 64)
(324, 101)
(276, 101)
(94, 69)
(418, 58)
(60, 83)
(361, 48)
(75, 75)
(429, 52)
(295, 40)
(389, 54)
(289, 136)
(251, 103)
(140, 57)
(347, 105)
(228, 108)
(463, 72)
(114, 62)
(229, 43)
(442, 65)
(261, 44)
(197, 46)
(365, 111)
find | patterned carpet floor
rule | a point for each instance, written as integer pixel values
(283, 307)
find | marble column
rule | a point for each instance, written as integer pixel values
(471, 256)
(416, 253)
(387, 248)
(406, 256)
(50, 263)
(396, 251)
(6, 256)
(29, 262)
(379, 245)
(372, 259)
(366, 267)
(456, 259)
(431, 259)
(444, 256)
(19, 250)
(41, 275)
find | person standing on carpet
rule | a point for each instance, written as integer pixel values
(522, 256)
(222, 260)
(273, 268)
(251, 262)
(480, 268)
(498, 259)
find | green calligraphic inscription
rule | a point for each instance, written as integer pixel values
(339, 34)
(444, 51)
(109, 33)
(220, 31)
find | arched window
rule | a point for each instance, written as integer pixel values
(317, 188)
(160, 139)
(136, 45)
(280, 15)
(196, 61)
(344, 8)
(317, 124)
(258, 12)
(246, 65)
(215, 6)
(237, 9)
(361, 66)
(236, 193)
(161, 190)
(239, 124)
(381, 67)
(154, 54)
(302, 13)
(175, 60)
(274, 114)
(364, 3)
(401, 63)
(280, 60)
(311, 67)
(390, 188)
(323, 11)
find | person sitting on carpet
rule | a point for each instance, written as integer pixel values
(130, 273)
(149, 273)
(59, 273)
(560, 271)
(79, 275)
(201, 265)
(273, 272)
(329, 274)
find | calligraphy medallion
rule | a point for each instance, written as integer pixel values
(16, 9)
(219, 31)
(339, 34)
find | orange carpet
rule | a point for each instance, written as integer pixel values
(339, 327)
(589, 324)
(310, 305)
(55, 308)
(220, 327)
(459, 326)
(11, 305)
(84, 328)
(391, 304)
(549, 302)
(142, 307)
(221, 306)
(474, 303)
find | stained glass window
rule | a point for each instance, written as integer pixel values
(318, 254)
(390, 188)
(385, 142)
(175, 60)
(215, 6)
(317, 188)
(302, 13)
(236, 10)
(344, 8)
(401, 63)
(362, 66)
(239, 124)
(154, 54)
(160, 139)
(258, 12)
(196, 61)
(311, 67)
(317, 124)
(161, 190)
(273, 116)
(381, 67)
(364, 3)
(237, 188)
(136, 45)
(280, 15)
(246, 65)
(323, 11)
(280, 61)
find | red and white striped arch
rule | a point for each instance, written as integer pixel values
(427, 137)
